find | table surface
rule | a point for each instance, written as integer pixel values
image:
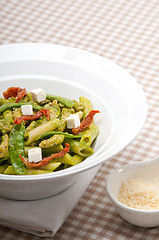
(126, 32)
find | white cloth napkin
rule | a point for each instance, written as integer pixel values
(44, 217)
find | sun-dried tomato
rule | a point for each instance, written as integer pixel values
(86, 122)
(43, 111)
(17, 92)
(46, 160)
(11, 92)
(20, 95)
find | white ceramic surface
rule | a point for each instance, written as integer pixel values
(146, 170)
(72, 73)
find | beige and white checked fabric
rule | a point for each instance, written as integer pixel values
(126, 32)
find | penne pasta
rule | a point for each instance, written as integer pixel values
(87, 105)
(46, 130)
(80, 148)
(89, 135)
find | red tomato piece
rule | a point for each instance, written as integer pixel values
(43, 111)
(86, 122)
(17, 92)
(46, 160)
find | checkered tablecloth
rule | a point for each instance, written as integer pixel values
(126, 32)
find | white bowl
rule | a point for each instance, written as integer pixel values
(146, 170)
(73, 73)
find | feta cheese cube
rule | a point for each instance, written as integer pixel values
(73, 121)
(27, 109)
(38, 94)
(34, 155)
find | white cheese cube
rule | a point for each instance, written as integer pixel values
(73, 121)
(34, 155)
(27, 109)
(38, 94)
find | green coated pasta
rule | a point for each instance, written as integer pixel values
(89, 135)
(87, 105)
(53, 141)
(11, 171)
(51, 166)
(80, 148)
(54, 149)
(8, 117)
(4, 128)
(2, 168)
(4, 153)
(54, 110)
(45, 128)
(77, 159)
(65, 113)
(70, 160)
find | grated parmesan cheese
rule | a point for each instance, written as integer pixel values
(140, 194)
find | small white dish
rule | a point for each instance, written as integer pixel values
(146, 170)
(72, 73)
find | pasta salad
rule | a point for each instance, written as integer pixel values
(42, 133)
